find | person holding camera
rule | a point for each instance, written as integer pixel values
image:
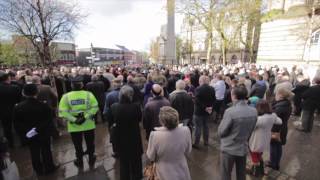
(78, 108)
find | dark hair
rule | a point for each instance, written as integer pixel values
(263, 107)
(77, 86)
(240, 92)
(4, 77)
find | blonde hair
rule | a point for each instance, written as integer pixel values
(169, 117)
(284, 93)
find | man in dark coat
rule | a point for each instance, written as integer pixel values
(152, 109)
(9, 96)
(182, 102)
(205, 99)
(48, 96)
(33, 119)
(98, 90)
(311, 102)
(301, 86)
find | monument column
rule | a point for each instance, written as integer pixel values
(170, 50)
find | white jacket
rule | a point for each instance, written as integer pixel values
(261, 136)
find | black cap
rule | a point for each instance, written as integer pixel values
(30, 90)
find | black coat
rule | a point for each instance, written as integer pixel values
(32, 113)
(298, 91)
(283, 110)
(311, 98)
(183, 103)
(127, 131)
(98, 90)
(205, 97)
(106, 82)
(9, 96)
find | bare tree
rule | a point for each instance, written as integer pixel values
(40, 21)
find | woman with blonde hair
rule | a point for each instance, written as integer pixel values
(282, 107)
(169, 145)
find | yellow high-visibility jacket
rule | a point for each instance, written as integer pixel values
(75, 102)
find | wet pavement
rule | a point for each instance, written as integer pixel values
(301, 158)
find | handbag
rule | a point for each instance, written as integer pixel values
(11, 172)
(150, 172)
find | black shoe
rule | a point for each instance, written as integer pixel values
(92, 160)
(261, 168)
(206, 144)
(196, 146)
(78, 163)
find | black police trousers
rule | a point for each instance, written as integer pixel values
(77, 138)
(41, 155)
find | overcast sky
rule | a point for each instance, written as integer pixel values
(132, 23)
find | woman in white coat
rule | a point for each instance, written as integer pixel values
(169, 145)
(260, 139)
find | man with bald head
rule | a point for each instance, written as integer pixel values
(152, 109)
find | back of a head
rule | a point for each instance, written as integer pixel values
(30, 90)
(156, 90)
(204, 80)
(263, 107)
(283, 93)
(240, 92)
(126, 94)
(116, 83)
(180, 85)
(169, 117)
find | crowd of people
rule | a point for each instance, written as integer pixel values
(251, 104)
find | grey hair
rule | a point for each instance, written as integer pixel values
(169, 117)
(180, 85)
(126, 94)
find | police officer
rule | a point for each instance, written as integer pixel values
(78, 108)
(33, 120)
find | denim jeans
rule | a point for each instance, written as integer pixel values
(201, 123)
(275, 155)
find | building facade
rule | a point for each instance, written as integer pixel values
(63, 53)
(195, 45)
(291, 33)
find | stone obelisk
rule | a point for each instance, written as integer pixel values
(170, 50)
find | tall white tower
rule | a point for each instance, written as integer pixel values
(170, 49)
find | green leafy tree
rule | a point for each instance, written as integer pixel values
(8, 55)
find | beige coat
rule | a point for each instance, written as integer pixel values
(169, 150)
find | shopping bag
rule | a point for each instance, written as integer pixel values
(11, 172)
